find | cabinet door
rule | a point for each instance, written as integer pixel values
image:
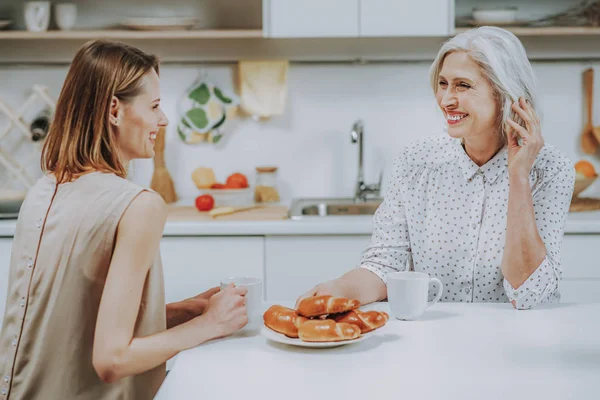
(294, 264)
(194, 264)
(5, 248)
(310, 18)
(581, 269)
(406, 17)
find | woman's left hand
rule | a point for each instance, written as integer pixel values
(198, 304)
(521, 158)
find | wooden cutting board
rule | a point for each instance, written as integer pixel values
(584, 205)
(190, 213)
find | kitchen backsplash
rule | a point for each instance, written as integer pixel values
(311, 143)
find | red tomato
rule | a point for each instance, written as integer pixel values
(217, 186)
(205, 202)
(237, 179)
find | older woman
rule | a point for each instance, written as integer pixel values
(483, 208)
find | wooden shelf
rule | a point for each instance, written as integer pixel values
(132, 34)
(548, 31)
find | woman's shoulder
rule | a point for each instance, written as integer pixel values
(552, 161)
(435, 149)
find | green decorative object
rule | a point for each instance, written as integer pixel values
(204, 110)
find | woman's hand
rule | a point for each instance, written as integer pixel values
(521, 158)
(199, 303)
(227, 311)
(331, 288)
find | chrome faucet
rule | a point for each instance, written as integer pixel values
(362, 191)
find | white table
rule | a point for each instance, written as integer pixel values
(461, 351)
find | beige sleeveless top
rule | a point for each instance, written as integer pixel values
(61, 252)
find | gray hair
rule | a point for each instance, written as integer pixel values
(502, 60)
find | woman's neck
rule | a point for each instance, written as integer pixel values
(482, 151)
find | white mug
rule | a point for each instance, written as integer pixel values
(253, 299)
(65, 15)
(37, 15)
(407, 293)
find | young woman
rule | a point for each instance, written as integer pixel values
(85, 314)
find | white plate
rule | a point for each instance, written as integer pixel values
(280, 338)
(159, 23)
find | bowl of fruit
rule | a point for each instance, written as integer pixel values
(585, 175)
(234, 191)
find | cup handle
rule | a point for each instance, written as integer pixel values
(438, 295)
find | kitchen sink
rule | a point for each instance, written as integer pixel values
(332, 207)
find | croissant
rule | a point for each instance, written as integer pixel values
(367, 321)
(283, 320)
(327, 330)
(321, 305)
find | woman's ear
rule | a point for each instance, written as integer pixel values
(115, 111)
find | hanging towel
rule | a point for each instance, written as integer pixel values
(263, 87)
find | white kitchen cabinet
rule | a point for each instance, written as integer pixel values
(294, 264)
(194, 264)
(581, 269)
(310, 18)
(386, 18)
(5, 246)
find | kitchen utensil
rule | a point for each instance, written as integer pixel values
(581, 184)
(495, 15)
(253, 299)
(280, 338)
(580, 205)
(191, 214)
(37, 15)
(220, 211)
(589, 143)
(230, 197)
(161, 179)
(159, 23)
(408, 292)
(65, 15)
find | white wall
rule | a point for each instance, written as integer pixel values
(311, 142)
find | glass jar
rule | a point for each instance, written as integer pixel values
(266, 185)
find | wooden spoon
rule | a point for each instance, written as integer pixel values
(589, 142)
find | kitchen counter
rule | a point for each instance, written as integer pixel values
(455, 351)
(577, 223)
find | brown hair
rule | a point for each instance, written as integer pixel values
(80, 138)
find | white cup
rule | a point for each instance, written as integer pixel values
(407, 293)
(66, 15)
(253, 299)
(37, 15)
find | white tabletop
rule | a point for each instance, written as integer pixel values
(455, 351)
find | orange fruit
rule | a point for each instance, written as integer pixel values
(585, 168)
(237, 180)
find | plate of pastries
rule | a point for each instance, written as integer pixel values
(321, 321)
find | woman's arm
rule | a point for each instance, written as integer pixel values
(117, 353)
(389, 250)
(534, 230)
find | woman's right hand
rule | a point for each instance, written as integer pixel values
(332, 288)
(227, 310)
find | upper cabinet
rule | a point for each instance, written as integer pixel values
(357, 18)
(386, 18)
(310, 18)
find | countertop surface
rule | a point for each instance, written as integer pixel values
(580, 222)
(455, 351)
